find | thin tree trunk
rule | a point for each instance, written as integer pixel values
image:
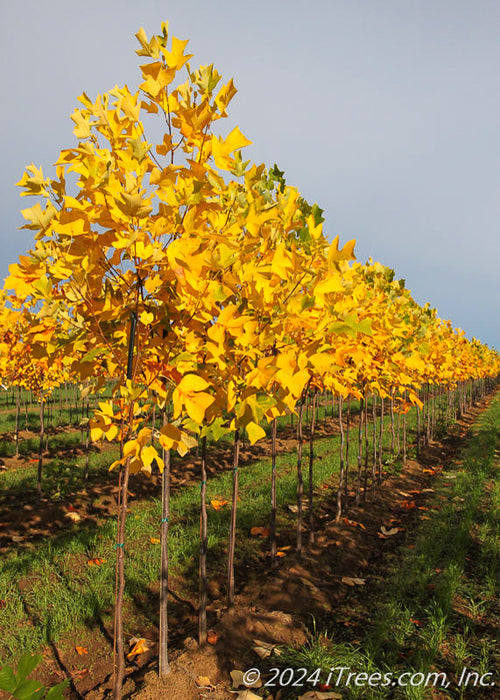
(393, 430)
(418, 430)
(360, 451)
(203, 583)
(341, 471)
(404, 430)
(272, 527)
(365, 484)
(300, 481)
(232, 526)
(347, 445)
(119, 660)
(311, 462)
(18, 413)
(40, 450)
(380, 440)
(164, 666)
(374, 422)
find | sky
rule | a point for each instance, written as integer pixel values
(384, 112)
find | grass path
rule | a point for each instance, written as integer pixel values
(434, 610)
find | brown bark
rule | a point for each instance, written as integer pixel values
(232, 525)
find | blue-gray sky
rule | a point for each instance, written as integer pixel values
(386, 112)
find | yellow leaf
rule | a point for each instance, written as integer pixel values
(146, 318)
(192, 382)
(217, 505)
(222, 148)
(148, 454)
(111, 432)
(131, 447)
(254, 432)
(197, 404)
(133, 205)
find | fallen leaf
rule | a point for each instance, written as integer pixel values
(245, 695)
(154, 540)
(407, 505)
(389, 532)
(259, 532)
(81, 650)
(74, 517)
(140, 646)
(237, 678)
(428, 471)
(204, 682)
(280, 554)
(78, 675)
(212, 637)
(95, 561)
(263, 649)
(17, 538)
(320, 695)
(353, 581)
(295, 508)
(218, 504)
(354, 523)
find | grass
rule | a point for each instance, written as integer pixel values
(439, 607)
(49, 589)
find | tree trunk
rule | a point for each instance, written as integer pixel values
(119, 660)
(380, 441)
(374, 422)
(300, 481)
(341, 470)
(272, 527)
(360, 451)
(232, 526)
(311, 462)
(203, 583)
(40, 451)
(18, 412)
(164, 666)
(347, 445)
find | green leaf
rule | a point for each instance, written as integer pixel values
(218, 428)
(139, 148)
(27, 663)
(26, 689)
(8, 680)
(56, 693)
(38, 695)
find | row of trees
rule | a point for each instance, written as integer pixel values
(205, 287)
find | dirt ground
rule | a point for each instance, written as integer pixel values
(273, 606)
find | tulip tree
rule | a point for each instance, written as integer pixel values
(205, 287)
